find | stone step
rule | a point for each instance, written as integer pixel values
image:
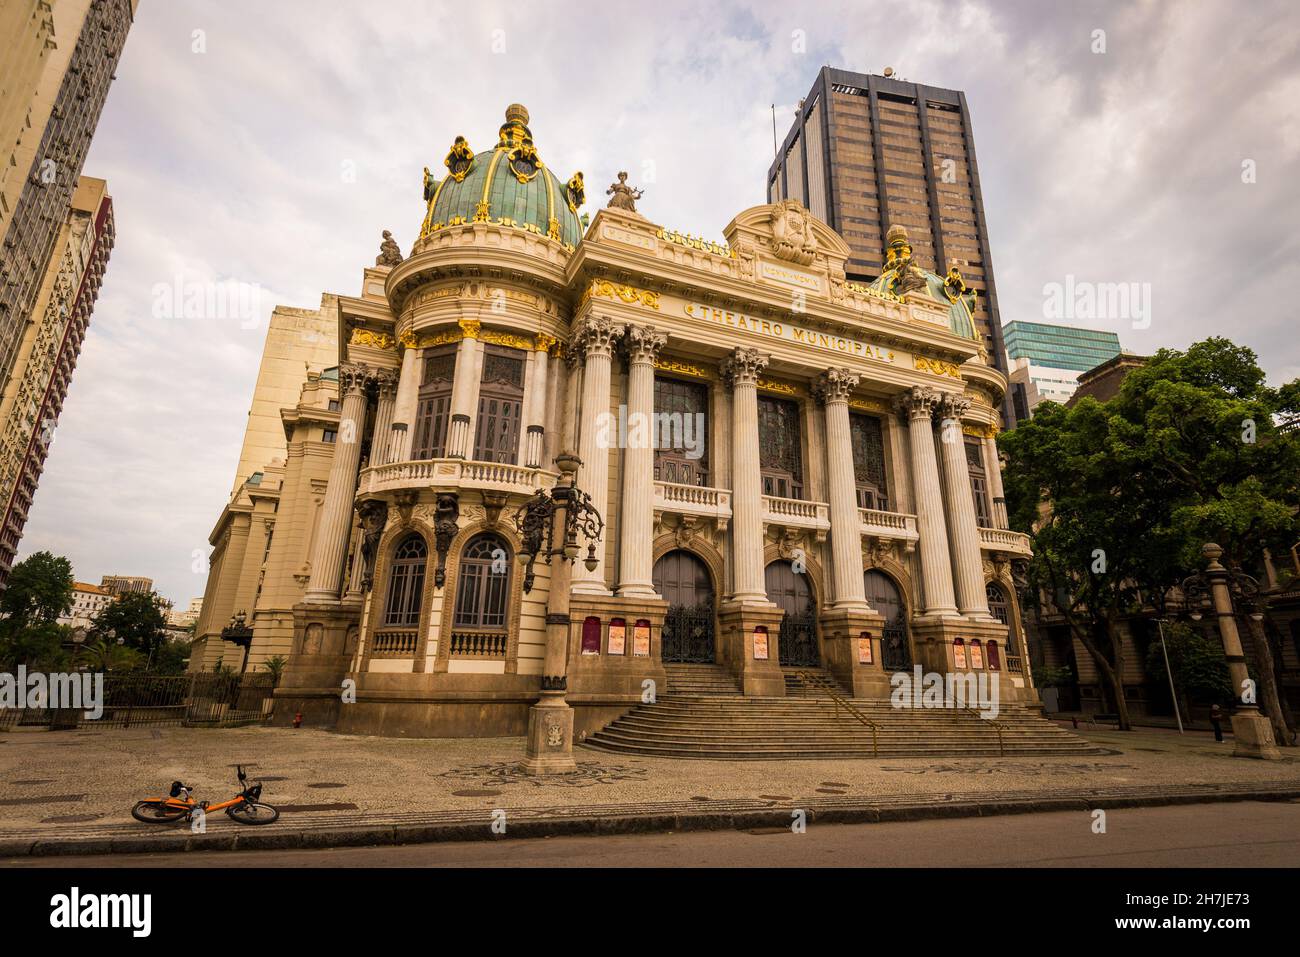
(731, 726)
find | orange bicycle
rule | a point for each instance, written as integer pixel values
(246, 808)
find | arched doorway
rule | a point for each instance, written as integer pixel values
(883, 596)
(797, 645)
(684, 582)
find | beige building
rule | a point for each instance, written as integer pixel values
(795, 473)
(46, 356)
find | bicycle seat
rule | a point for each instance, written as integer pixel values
(176, 788)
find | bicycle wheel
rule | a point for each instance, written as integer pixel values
(157, 812)
(252, 813)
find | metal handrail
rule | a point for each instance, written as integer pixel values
(998, 726)
(817, 683)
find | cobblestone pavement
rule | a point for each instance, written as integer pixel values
(62, 784)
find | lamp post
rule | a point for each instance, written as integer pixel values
(549, 526)
(240, 634)
(1169, 673)
(1215, 589)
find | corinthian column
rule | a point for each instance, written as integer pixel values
(642, 344)
(593, 340)
(832, 390)
(936, 565)
(963, 529)
(405, 406)
(336, 513)
(464, 391)
(386, 386)
(740, 371)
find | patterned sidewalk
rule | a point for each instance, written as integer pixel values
(72, 792)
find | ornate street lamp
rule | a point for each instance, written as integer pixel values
(239, 633)
(1216, 589)
(549, 525)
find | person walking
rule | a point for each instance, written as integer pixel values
(1216, 721)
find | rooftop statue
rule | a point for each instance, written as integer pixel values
(902, 274)
(389, 253)
(430, 185)
(623, 196)
(575, 191)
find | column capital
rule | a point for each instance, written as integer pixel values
(953, 405)
(386, 381)
(917, 403)
(834, 385)
(643, 343)
(743, 366)
(470, 328)
(355, 378)
(544, 343)
(595, 335)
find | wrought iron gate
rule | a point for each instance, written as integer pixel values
(688, 634)
(798, 642)
(895, 654)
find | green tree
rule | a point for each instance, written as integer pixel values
(39, 590)
(136, 618)
(1196, 660)
(103, 654)
(1187, 452)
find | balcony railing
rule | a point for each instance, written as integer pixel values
(878, 524)
(394, 643)
(711, 503)
(1014, 665)
(1005, 540)
(478, 644)
(797, 513)
(452, 474)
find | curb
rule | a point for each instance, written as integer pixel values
(604, 826)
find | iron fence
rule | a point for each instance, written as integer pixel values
(145, 700)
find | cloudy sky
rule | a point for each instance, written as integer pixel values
(272, 146)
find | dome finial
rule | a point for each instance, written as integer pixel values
(517, 113)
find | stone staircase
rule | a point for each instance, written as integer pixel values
(703, 715)
(700, 680)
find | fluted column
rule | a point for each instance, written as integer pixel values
(535, 437)
(402, 428)
(993, 466)
(832, 390)
(636, 529)
(936, 565)
(740, 371)
(336, 512)
(594, 340)
(386, 388)
(464, 391)
(963, 530)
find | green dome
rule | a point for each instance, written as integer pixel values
(509, 184)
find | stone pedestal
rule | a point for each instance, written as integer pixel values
(324, 645)
(756, 676)
(841, 632)
(1252, 736)
(550, 737)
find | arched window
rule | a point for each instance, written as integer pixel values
(406, 583)
(434, 409)
(884, 597)
(483, 585)
(997, 600)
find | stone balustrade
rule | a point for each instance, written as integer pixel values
(797, 513)
(897, 525)
(696, 500)
(452, 474)
(1005, 540)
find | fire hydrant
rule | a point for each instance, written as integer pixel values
(297, 720)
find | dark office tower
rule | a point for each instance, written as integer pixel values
(866, 152)
(67, 49)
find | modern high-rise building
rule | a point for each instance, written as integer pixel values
(46, 355)
(867, 152)
(1046, 360)
(59, 57)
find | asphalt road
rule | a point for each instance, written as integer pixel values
(1248, 834)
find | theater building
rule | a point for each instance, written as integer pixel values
(823, 493)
